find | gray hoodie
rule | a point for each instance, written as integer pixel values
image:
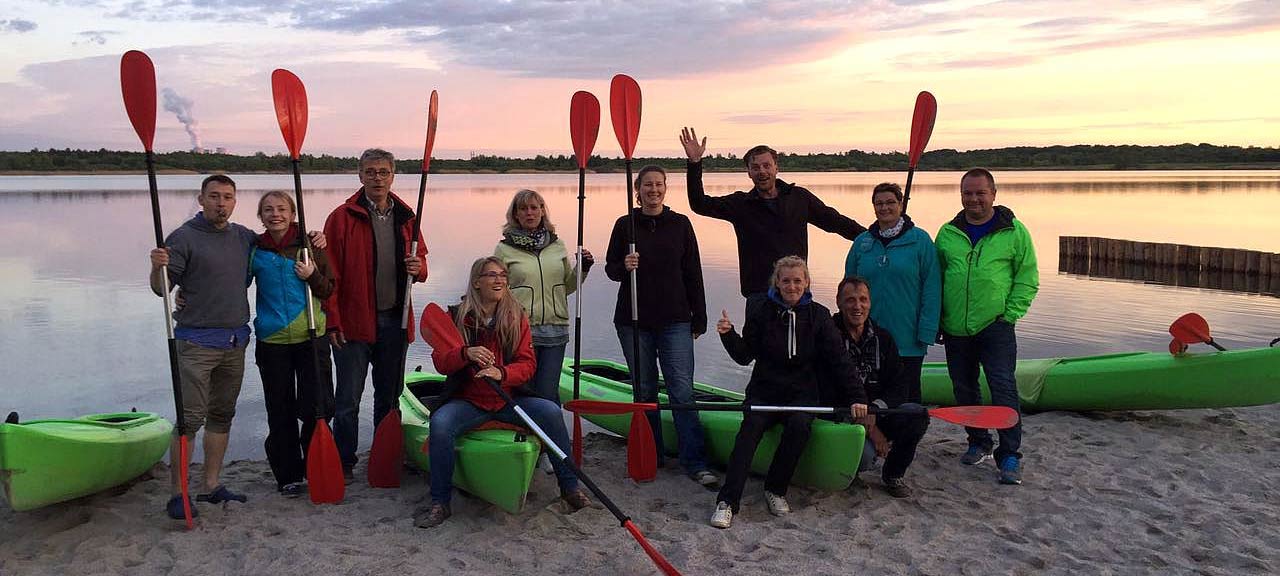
(212, 268)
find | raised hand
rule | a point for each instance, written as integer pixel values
(692, 148)
(724, 325)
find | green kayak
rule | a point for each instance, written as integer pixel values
(830, 460)
(48, 461)
(495, 465)
(1133, 381)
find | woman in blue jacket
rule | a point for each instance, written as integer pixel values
(900, 263)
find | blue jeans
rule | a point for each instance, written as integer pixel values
(995, 348)
(546, 378)
(352, 361)
(456, 417)
(675, 352)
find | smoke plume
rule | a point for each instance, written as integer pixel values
(182, 108)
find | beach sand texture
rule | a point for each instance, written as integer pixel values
(1186, 492)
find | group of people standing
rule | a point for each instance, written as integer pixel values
(967, 291)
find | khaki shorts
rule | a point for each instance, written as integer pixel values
(211, 379)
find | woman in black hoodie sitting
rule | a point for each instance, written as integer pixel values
(791, 338)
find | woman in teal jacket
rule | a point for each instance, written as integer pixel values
(900, 263)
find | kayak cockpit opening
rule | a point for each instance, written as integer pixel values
(12, 418)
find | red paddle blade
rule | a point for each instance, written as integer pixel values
(1191, 328)
(385, 455)
(642, 458)
(432, 112)
(324, 467)
(624, 109)
(605, 407)
(138, 86)
(438, 328)
(998, 417)
(658, 559)
(184, 456)
(1177, 347)
(922, 125)
(291, 109)
(584, 125)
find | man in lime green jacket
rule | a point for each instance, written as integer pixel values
(989, 279)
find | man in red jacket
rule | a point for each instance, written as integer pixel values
(369, 237)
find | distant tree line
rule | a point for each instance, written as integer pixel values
(1079, 157)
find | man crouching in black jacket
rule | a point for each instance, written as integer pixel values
(874, 356)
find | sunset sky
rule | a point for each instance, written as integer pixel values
(801, 76)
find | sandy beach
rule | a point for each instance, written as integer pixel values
(1186, 492)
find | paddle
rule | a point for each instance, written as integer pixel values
(584, 126)
(1192, 328)
(921, 129)
(441, 333)
(624, 110)
(998, 417)
(324, 466)
(138, 87)
(1177, 347)
(385, 455)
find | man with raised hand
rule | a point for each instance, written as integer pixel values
(771, 220)
(369, 237)
(989, 279)
(208, 259)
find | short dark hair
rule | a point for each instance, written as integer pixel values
(761, 149)
(981, 172)
(220, 179)
(647, 169)
(856, 281)
(888, 187)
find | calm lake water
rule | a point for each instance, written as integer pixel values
(81, 332)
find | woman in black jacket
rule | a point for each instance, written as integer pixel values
(791, 339)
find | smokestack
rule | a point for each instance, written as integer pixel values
(182, 108)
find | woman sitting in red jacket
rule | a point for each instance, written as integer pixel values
(498, 347)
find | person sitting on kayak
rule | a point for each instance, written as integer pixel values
(499, 346)
(672, 311)
(297, 381)
(875, 360)
(790, 337)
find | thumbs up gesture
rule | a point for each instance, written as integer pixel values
(724, 325)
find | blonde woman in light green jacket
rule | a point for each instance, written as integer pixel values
(541, 277)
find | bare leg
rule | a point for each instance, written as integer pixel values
(176, 467)
(215, 447)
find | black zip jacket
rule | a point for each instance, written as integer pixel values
(766, 230)
(875, 359)
(670, 272)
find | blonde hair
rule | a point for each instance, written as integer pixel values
(278, 194)
(788, 262)
(523, 197)
(508, 314)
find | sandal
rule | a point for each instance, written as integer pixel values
(220, 495)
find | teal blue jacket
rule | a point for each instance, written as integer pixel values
(282, 298)
(906, 285)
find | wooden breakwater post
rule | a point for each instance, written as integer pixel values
(1174, 264)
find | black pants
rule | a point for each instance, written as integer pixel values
(297, 384)
(911, 367)
(795, 435)
(904, 431)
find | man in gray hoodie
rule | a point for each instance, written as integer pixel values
(208, 258)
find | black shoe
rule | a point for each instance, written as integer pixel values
(293, 489)
(897, 487)
(432, 516)
(348, 474)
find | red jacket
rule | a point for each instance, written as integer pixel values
(351, 307)
(515, 371)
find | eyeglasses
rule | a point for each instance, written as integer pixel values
(493, 274)
(371, 173)
(885, 203)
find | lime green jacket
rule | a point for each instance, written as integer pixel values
(996, 279)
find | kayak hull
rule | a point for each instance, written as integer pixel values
(43, 462)
(829, 462)
(493, 465)
(1133, 381)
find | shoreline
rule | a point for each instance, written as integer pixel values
(1189, 491)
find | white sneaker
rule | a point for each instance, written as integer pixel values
(723, 515)
(777, 504)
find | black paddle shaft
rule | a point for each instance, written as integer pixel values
(635, 302)
(408, 285)
(564, 459)
(174, 374)
(577, 314)
(906, 191)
